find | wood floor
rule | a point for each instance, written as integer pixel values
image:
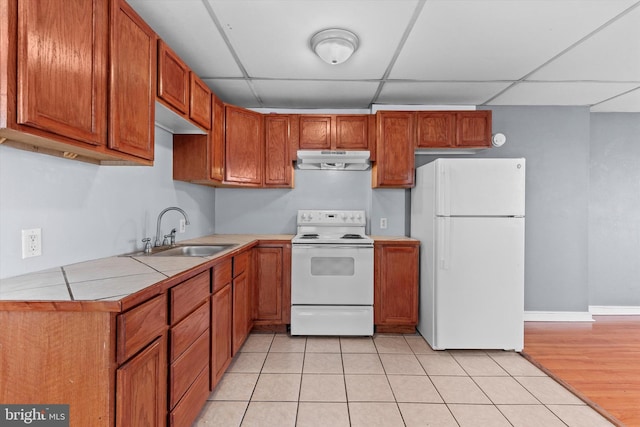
(600, 361)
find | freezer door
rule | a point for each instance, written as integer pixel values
(480, 187)
(479, 283)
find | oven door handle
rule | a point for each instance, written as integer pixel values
(330, 246)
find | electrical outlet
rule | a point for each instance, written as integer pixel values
(383, 223)
(31, 243)
(183, 225)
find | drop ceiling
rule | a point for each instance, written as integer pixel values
(256, 54)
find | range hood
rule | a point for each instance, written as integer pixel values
(336, 160)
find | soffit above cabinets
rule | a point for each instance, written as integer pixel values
(256, 54)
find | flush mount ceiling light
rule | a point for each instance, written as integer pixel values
(334, 46)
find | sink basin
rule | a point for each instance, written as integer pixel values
(194, 250)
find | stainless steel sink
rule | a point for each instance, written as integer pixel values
(200, 250)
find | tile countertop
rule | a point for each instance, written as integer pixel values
(119, 282)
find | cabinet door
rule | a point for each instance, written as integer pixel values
(268, 297)
(278, 168)
(243, 146)
(199, 101)
(394, 165)
(220, 333)
(241, 311)
(474, 129)
(62, 68)
(141, 388)
(315, 132)
(436, 129)
(132, 88)
(352, 132)
(173, 79)
(396, 285)
(216, 152)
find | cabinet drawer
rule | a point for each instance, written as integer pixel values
(191, 327)
(186, 368)
(140, 325)
(240, 263)
(221, 275)
(188, 295)
(185, 413)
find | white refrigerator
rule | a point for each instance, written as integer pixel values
(469, 217)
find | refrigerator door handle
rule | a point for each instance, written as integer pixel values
(444, 243)
(443, 191)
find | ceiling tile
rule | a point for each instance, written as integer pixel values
(315, 94)
(629, 102)
(271, 37)
(496, 39)
(237, 92)
(187, 27)
(446, 93)
(556, 93)
(611, 54)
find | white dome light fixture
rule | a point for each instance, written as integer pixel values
(334, 45)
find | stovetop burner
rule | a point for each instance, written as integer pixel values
(310, 236)
(352, 236)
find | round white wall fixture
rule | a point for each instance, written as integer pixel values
(498, 140)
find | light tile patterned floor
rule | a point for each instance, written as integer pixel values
(387, 380)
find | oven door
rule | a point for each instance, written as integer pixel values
(325, 274)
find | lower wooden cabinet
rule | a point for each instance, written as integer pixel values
(221, 311)
(396, 286)
(141, 387)
(272, 292)
(241, 322)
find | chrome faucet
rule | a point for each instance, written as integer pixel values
(158, 241)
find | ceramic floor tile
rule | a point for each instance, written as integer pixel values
(366, 414)
(505, 390)
(323, 388)
(283, 363)
(459, 390)
(440, 364)
(221, 414)
(323, 345)
(410, 388)
(247, 362)
(516, 365)
(548, 391)
(322, 363)
(579, 416)
(426, 414)
(287, 344)
(259, 343)
(392, 344)
(357, 345)
(418, 344)
(478, 415)
(401, 364)
(530, 416)
(235, 386)
(355, 363)
(270, 414)
(322, 414)
(368, 388)
(477, 365)
(277, 388)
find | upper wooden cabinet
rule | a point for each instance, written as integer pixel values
(181, 89)
(47, 48)
(278, 167)
(331, 132)
(244, 142)
(132, 88)
(450, 129)
(395, 164)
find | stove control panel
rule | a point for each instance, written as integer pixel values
(331, 217)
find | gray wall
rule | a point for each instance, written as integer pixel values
(88, 211)
(614, 210)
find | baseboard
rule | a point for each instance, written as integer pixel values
(557, 316)
(614, 310)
